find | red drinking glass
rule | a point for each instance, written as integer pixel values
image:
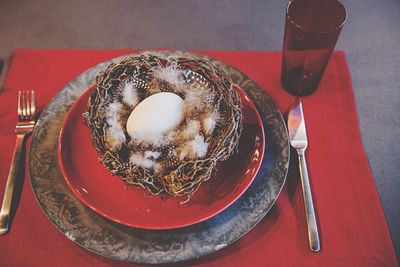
(312, 28)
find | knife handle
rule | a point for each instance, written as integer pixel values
(313, 236)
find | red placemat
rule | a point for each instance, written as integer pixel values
(352, 224)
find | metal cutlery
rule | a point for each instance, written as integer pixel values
(25, 124)
(298, 140)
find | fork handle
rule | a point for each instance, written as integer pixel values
(9, 191)
(313, 236)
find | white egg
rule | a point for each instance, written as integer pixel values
(157, 114)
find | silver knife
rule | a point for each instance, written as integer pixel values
(298, 140)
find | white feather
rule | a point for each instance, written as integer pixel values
(129, 94)
(192, 128)
(141, 161)
(115, 135)
(196, 148)
(194, 100)
(156, 140)
(210, 122)
(171, 74)
(152, 154)
(199, 146)
(114, 107)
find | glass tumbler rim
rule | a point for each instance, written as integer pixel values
(292, 21)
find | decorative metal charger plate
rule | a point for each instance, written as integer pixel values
(102, 236)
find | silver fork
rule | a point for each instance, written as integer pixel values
(25, 124)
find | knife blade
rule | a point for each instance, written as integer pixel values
(298, 140)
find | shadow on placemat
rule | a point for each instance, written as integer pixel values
(19, 182)
(3, 71)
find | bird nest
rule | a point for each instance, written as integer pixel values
(176, 162)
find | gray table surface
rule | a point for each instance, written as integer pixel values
(371, 39)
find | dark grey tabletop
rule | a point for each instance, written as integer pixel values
(370, 38)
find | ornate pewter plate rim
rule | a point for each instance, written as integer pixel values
(189, 235)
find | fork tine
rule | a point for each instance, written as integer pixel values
(28, 104)
(33, 107)
(19, 103)
(23, 104)
(24, 111)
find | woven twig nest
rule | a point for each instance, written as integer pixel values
(178, 161)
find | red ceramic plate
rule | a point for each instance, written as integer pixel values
(106, 194)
